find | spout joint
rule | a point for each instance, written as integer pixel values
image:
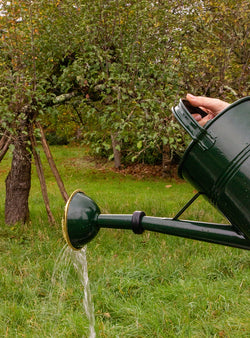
(136, 222)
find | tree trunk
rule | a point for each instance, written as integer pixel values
(116, 151)
(166, 160)
(18, 184)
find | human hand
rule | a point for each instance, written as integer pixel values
(211, 106)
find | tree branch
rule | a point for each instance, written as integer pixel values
(41, 177)
(52, 164)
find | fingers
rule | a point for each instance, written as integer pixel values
(214, 106)
(197, 117)
(204, 120)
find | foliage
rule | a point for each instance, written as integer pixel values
(127, 84)
(120, 66)
(138, 57)
(216, 52)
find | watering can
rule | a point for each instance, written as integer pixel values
(216, 163)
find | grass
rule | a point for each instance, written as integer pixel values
(152, 285)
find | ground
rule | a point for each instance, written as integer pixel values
(146, 170)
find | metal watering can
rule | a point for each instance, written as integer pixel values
(216, 163)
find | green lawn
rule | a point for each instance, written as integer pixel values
(149, 285)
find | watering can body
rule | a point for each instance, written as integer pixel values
(216, 163)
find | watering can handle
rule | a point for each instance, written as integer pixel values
(195, 130)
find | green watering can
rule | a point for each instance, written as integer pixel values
(216, 163)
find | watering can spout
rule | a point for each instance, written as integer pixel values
(83, 220)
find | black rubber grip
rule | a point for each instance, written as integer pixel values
(136, 222)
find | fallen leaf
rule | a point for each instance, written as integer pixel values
(107, 315)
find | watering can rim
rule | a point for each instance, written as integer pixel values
(65, 222)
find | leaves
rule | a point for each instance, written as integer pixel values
(121, 65)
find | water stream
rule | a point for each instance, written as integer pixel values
(66, 257)
(81, 266)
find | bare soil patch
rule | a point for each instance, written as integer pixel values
(148, 171)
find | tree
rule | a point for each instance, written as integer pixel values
(138, 57)
(214, 56)
(123, 66)
(27, 87)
